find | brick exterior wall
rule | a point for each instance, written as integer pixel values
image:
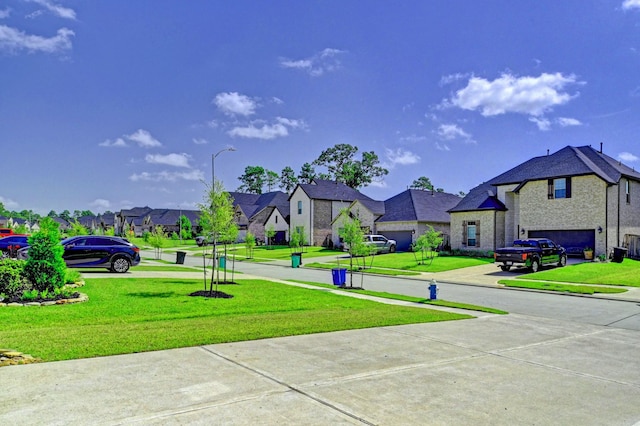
(592, 204)
(322, 217)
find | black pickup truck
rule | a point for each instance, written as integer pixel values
(530, 253)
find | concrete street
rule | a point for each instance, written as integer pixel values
(492, 370)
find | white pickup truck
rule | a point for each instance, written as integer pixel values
(380, 242)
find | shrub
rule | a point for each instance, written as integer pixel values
(145, 236)
(175, 236)
(45, 269)
(12, 281)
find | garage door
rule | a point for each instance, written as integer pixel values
(573, 241)
(403, 239)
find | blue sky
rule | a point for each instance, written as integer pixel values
(115, 104)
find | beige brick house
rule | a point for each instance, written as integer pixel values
(577, 196)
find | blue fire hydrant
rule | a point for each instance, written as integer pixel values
(433, 290)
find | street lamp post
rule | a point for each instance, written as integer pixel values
(213, 188)
(213, 164)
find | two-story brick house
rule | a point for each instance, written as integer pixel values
(577, 196)
(314, 206)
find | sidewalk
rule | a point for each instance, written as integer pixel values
(492, 370)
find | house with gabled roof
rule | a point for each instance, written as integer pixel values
(255, 213)
(313, 208)
(403, 217)
(578, 196)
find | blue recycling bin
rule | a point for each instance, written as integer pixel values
(339, 276)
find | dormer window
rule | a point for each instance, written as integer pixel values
(559, 188)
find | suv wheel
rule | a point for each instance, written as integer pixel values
(120, 265)
(563, 260)
(392, 249)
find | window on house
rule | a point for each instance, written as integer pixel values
(559, 188)
(471, 234)
(627, 191)
(299, 207)
(276, 219)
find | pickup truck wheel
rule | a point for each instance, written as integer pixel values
(535, 265)
(505, 268)
(563, 260)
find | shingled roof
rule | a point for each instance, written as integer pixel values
(569, 161)
(419, 205)
(331, 190)
(254, 203)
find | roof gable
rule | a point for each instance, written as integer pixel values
(331, 190)
(419, 205)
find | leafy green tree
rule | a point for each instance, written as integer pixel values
(307, 173)
(272, 180)
(66, 215)
(217, 218)
(3, 210)
(157, 240)
(425, 245)
(76, 228)
(52, 213)
(352, 235)
(423, 183)
(288, 179)
(249, 244)
(45, 268)
(342, 167)
(270, 232)
(253, 180)
(185, 227)
(298, 239)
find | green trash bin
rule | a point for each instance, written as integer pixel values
(180, 255)
(296, 260)
(222, 262)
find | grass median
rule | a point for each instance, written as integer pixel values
(128, 315)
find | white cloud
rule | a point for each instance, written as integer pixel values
(401, 157)
(200, 141)
(117, 143)
(5, 13)
(451, 132)
(327, 60)
(58, 10)
(176, 160)
(266, 131)
(233, 103)
(277, 101)
(630, 4)
(379, 184)
(525, 95)
(8, 203)
(260, 130)
(100, 204)
(13, 40)
(567, 122)
(627, 157)
(448, 79)
(167, 176)
(294, 124)
(143, 138)
(542, 123)
(442, 147)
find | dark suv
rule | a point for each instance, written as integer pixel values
(96, 251)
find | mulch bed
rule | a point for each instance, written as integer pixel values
(212, 294)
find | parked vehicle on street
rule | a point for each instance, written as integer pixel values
(97, 251)
(5, 232)
(530, 253)
(381, 243)
(11, 244)
(203, 241)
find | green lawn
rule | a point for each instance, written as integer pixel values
(373, 270)
(407, 262)
(128, 315)
(606, 273)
